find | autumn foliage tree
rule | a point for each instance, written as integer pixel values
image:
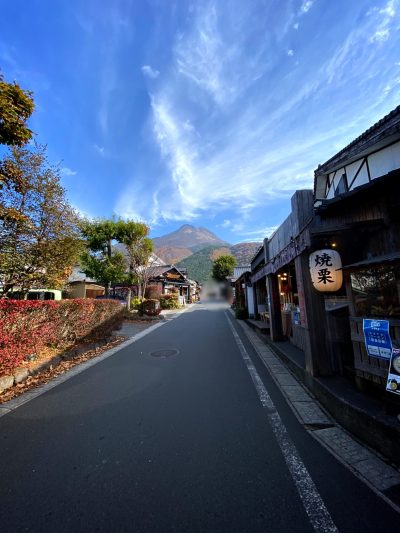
(39, 237)
(16, 106)
(138, 246)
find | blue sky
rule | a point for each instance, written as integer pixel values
(204, 112)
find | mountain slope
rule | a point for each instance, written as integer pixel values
(245, 251)
(173, 254)
(188, 236)
(199, 264)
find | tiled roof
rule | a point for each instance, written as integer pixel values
(387, 258)
(78, 275)
(160, 270)
(239, 270)
(385, 127)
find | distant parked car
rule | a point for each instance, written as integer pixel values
(35, 294)
(118, 298)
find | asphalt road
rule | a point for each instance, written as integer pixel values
(182, 443)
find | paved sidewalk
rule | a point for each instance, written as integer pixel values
(131, 328)
(379, 475)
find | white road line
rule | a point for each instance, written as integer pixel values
(11, 405)
(314, 506)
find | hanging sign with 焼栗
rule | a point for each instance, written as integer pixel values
(326, 270)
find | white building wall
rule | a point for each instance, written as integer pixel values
(250, 301)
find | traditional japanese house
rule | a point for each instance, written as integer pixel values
(258, 283)
(336, 259)
(81, 286)
(243, 290)
(357, 213)
(168, 279)
(280, 277)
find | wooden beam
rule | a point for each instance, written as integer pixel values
(274, 305)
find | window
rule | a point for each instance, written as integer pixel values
(376, 291)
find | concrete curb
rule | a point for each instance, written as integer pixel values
(11, 405)
(381, 477)
(381, 435)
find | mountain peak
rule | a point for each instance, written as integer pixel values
(187, 228)
(188, 237)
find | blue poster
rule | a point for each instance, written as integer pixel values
(377, 338)
(393, 379)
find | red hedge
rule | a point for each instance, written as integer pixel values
(28, 326)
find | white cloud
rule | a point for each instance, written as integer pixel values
(214, 180)
(65, 171)
(296, 26)
(226, 223)
(258, 234)
(290, 52)
(381, 35)
(107, 32)
(207, 55)
(389, 9)
(306, 6)
(245, 145)
(99, 149)
(150, 72)
(84, 213)
(385, 18)
(188, 126)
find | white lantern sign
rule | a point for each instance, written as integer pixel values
(326, 270)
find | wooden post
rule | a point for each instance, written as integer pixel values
(317, 356)
(254, 288)
(274, 305)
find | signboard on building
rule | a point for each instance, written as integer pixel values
(326, 270)
(170, 275)
(393, 379)
(377, 339)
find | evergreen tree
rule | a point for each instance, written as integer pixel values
(223, 267)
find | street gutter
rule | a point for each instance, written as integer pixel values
(365, 463)
(11, 405)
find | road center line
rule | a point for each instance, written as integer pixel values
(314, 506)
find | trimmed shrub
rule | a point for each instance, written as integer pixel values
(26, 327)
(241, 313)
(150, 307)
(153, 292)
(135, 303)
(169, 301)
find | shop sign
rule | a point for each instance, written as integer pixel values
(377, 339)
(296, 318)
(326, 270)
(170, 275)
(393, 380)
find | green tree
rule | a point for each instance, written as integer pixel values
(16, 106)
(134, 236)
(100, 261)
(223, 267)
(39, 234)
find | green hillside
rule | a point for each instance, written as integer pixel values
(199, 265)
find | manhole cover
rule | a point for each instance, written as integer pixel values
(163, 353)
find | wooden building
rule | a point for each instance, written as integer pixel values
(243, 290)
(168, 278)
(81, 286)
(357, 210)
(354, 214)
(280, 275)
